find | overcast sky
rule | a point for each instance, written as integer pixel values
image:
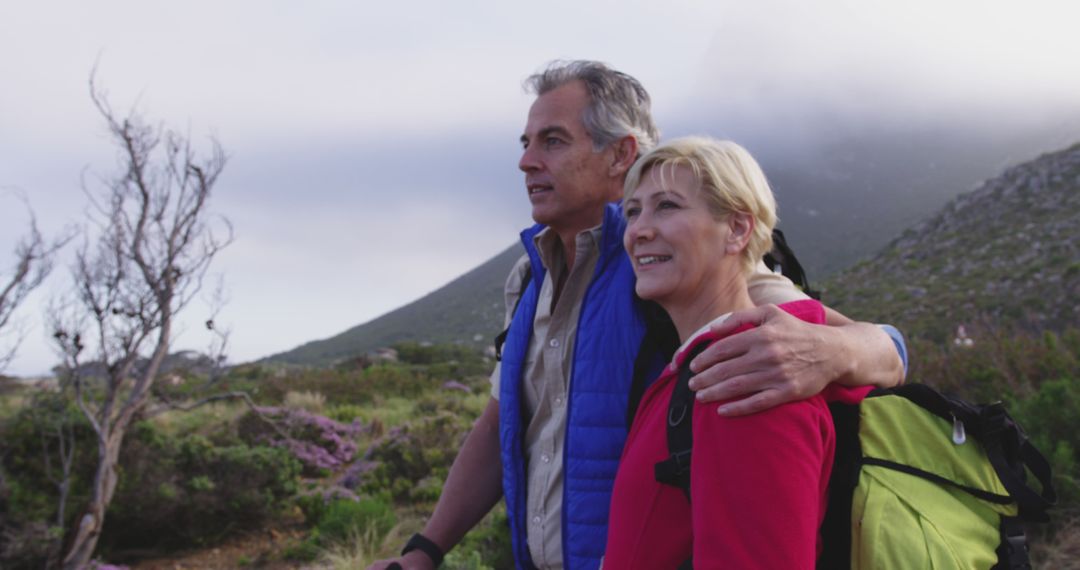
(373, 146)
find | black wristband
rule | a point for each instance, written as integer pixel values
(425, 545)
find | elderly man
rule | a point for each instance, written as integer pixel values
(551, 436)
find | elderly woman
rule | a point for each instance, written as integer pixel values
(700, 214)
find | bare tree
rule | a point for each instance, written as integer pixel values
(155, 241)
(33, 262)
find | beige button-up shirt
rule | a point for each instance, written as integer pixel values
(547, 374)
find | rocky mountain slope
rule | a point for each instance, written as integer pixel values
(1006, 250)
(1005, 253)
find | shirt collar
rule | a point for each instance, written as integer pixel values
(550, 246)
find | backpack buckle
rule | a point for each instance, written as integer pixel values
(1014, 546)
(674, 468)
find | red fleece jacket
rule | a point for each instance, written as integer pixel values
(758, 482)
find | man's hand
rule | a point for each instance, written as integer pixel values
(787, 359)
(782, 360)
(415, 560)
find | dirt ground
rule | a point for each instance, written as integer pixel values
(260, 549)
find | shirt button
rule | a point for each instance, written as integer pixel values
(554, 343)
(558, 400)
(545, 458)
(536, 520)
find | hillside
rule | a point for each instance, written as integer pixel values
(999, 250)
(1007, 252)
(467, 310)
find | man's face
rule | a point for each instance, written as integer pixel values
(568, 183)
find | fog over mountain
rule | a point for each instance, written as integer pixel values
(846, 186)
(857, 195)
(373, 152)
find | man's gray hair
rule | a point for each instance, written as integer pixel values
(618, 104)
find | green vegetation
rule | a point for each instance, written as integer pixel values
(347, 459)
(195, 479)
(352, 464)
(1038, 377)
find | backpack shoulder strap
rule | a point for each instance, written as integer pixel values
(500, 339)
(675, 470)
(783, 256)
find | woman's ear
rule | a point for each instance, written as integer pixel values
(741, 225)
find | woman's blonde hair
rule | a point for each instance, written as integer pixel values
(730, 179)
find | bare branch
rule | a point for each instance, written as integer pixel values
(154, 242)
(219, 341)
(33, 262)
(168, 406)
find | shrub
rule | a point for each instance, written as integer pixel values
(344, 518)
(1000, 362)
(318, 442)
(415, 451)
(314, 502)
(347, 413)
(361, 523)
(174, 492)
(1051, 418)
(29, 544)
(1038, 376)
(30, 469)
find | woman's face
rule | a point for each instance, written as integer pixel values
(675, 244)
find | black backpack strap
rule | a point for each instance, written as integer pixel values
(1007, 447)
(659, 344)
(1012, 454)
(500, 339)
(1012, 552)
(675, 470)
(847, 463)
(783, 256)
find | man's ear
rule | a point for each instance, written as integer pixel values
(741, 225)
(624, 153)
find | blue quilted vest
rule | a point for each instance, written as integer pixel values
(609, 334)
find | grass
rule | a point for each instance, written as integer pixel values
(389, 412)
(313, 402)
(11, 403)
(202, 420)
(361, 549)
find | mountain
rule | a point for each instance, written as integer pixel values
(998, 251)
(1005, 253)
(847, 187)
(468, 310)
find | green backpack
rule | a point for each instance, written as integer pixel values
(920, 480)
